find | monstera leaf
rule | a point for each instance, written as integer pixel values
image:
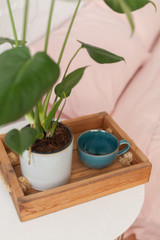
(131, 4)
(23, 81)
(127, 6)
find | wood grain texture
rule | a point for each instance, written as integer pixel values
(81, 124)
(131, 237)
(80, 192)
(85, 184)
(2, 136)
(10, 176)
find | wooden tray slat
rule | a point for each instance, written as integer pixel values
(81, 124)
(80, 192)
(11, 177)
(85, 184)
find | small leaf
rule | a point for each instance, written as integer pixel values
(23, 81)
(51, 115)
(11, 41)
(131, 4)
(69, 82)
(100, 55)
(19, 141)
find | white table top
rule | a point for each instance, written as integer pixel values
(102, 219)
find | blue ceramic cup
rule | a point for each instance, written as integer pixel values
(98, 148)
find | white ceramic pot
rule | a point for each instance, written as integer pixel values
(48, 170)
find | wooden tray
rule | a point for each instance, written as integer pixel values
(85, 184)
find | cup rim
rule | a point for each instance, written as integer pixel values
(97, 130)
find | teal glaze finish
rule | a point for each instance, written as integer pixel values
(98, 148)
(121, 142)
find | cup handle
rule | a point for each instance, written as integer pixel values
(122, 142)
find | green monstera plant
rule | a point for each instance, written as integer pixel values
(25, 79)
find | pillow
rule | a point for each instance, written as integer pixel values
(137, 110)
(147, 22)
(101, 85)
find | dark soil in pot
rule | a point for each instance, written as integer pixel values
(61, 139)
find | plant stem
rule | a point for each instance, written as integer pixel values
(68, 32)
(71, 61)
(128, 14)
(49, 25)
(12, 23)
(30, 117)
(55, 100)
(45, 105)
(51, 116)
(38, 127)
(25, 21)
(55, 123)
(62, 50)
(47, 98)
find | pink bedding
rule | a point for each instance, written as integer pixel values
(147, 22)
(107, 30)
(138, 113)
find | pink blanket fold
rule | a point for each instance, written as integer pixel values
(138, 113)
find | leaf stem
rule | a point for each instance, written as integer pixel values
(12, 23)
(25, 21)
(49, 25)
(40, 133)
(51, 116)
(30, 117)
(71, 61)
(47, 98)
(55, 123)
(68, 32)
(55, 100)
(62, 50)
(45, 105)
(128, 13)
